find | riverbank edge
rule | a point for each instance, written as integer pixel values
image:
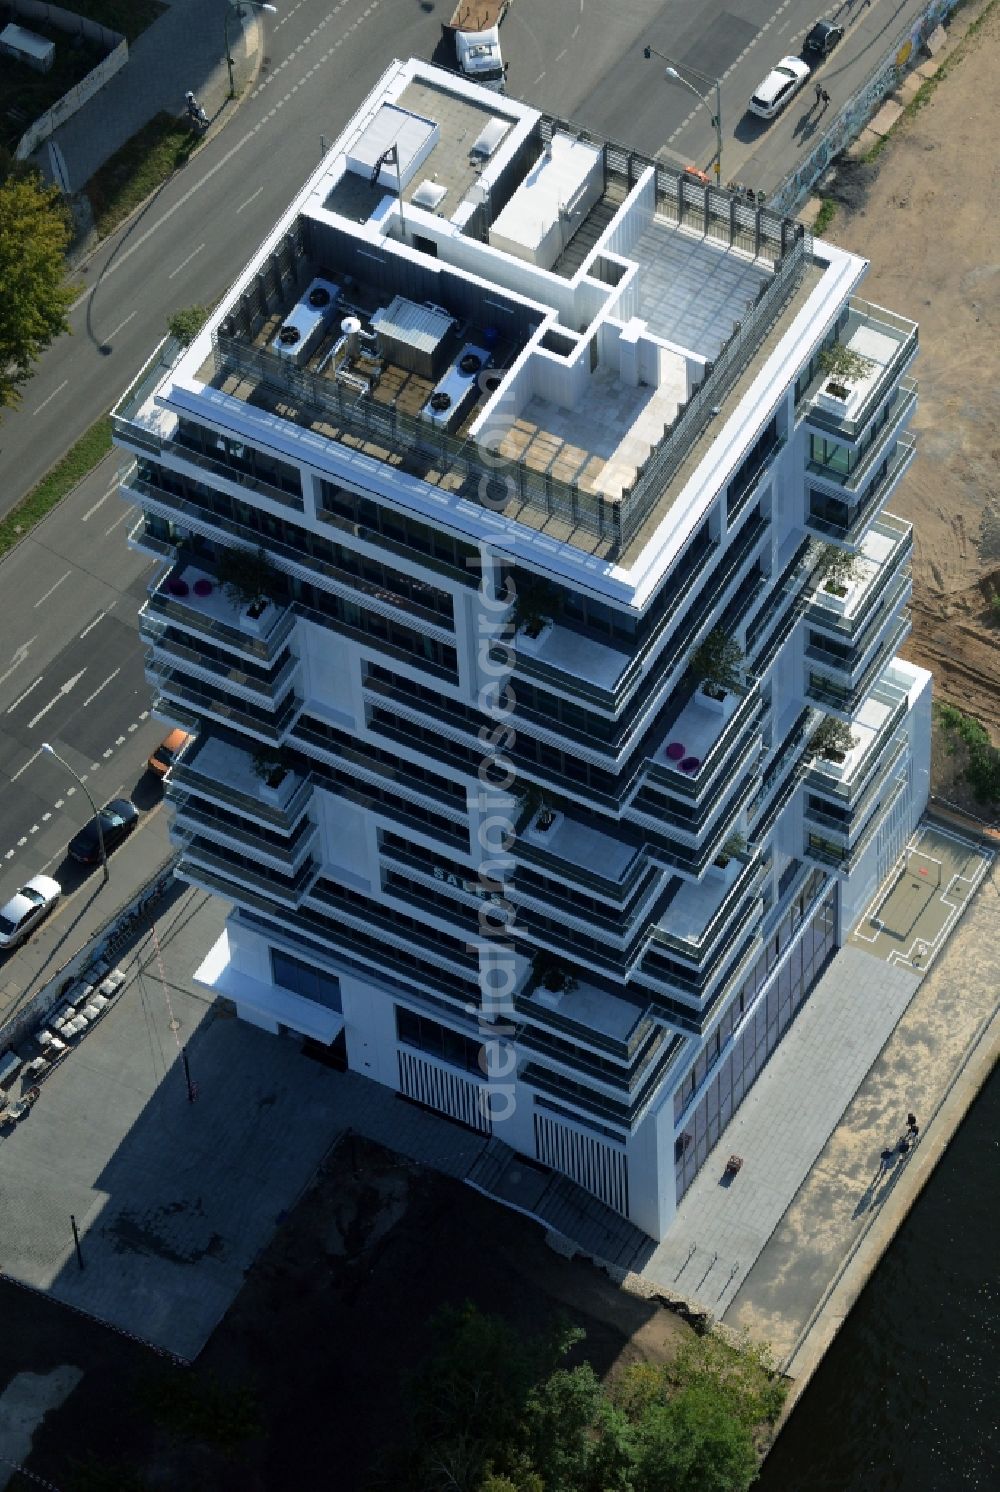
(861, 1263)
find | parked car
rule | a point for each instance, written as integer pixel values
(823, 37)
(168, 752)
(27, 908)
(779, 87)
(118, 819)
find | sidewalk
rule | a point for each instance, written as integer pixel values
(184, 49)
(82, 915)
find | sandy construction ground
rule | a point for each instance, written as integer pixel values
(929, 220)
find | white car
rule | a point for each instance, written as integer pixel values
(781, 84)
(26, 909)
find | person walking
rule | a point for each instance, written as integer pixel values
(819, 93)
(912, 1127)
(825, 98)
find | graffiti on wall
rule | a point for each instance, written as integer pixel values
(851, 120)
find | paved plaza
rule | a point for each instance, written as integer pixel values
(874, 1040)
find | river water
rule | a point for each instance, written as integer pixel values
(907, 1398)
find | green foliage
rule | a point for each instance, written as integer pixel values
(837, 567)
(34, 233)
(982, 760)
(825, 216)
(534, 600)
(246, 576)
(692, 1443)
(142, 165)
(717, 660)
(202, 1409)
(552, 972)
(832, 737)
(79, 461)
(838, 361)
(186, 324)
(495, 1411)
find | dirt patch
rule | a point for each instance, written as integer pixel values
(315, 1349)
(927, 218)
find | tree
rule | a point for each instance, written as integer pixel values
(717, 660)
(692, 1443)
(186, 324)
(837, 568)
(982, 764)
(34, 298)
(838, 361)
(247, 577)
(832, 737)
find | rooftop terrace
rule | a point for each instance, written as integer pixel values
(612, 305)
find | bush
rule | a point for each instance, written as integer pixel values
(971, 739)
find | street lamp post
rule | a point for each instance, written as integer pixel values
(100, 832)
(671, 71)
(236, 7)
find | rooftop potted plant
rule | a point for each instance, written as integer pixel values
(837, 569)
(270, 765)
(843, 366)
(249, 581)
(832, 739)
(534, 601)
(716, 665)
(551, 973)
(538, 815)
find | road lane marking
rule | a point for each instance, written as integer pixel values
(100, 501)
(59, 802)
(121, 327)
(50, 398)
(22, 697)
(17, 657)
(184, 263)
(69, 684)
(46, 817)
(48, 593)
(128, 513)
(250, 199)
(90, 627)
(101, 686)
(15, 775)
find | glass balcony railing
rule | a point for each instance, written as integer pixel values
(890, 342)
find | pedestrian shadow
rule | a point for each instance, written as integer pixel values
(890, 1168)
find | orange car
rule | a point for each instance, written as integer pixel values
(168, 751)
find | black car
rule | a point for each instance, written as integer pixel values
(118, 819)
(823, 37)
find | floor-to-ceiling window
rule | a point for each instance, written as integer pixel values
(761, 1031)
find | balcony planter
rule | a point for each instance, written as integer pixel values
(713, 697)
(542, 828)
(532, 635)
(275, 778)
(257, 618)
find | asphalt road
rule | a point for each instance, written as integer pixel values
(71, 673)
(580, 59)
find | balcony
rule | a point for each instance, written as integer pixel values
(876, 722)
(248, 686)
(883, 556)
(830, 845)
(192, 600)
(177, 688)
(221, 773)
(589, 1012)
(698, 742)
(889, 342)
(840, 690)
(701, 910)
(845, 522)
(286, 856)
(230, 874)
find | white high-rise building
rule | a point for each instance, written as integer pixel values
(560, 725)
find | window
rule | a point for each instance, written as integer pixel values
(305, 980)
(440, 1041)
